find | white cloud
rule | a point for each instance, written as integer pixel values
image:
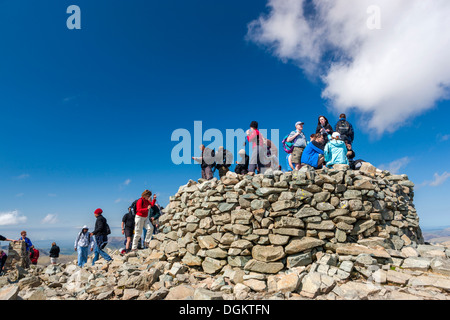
(389, 75)
(50, 219)
(22, 176)
(127, 182)
(11, 218)
(443, 137)
(20, 195)
(439, 179)
(52, 195)
(395, 166)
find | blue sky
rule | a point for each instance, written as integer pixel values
(87, 115)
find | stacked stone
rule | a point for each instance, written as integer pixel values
(277, 221)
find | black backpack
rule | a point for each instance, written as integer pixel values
(343, 127)
(133, 206)
(108, 230)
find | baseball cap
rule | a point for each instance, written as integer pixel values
(336, 135)
(299, 122)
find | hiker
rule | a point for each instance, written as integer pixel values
(54, 253)
(141, 220)
(224, 159)
(154, 214)
(82, 244)
(3, 257)
(23, 237)
(345, 129)
(206, 162)
(299, 142)
(350, 154)
(242, 165)
(128, 228)
(100, 234)
(313, 153)
(324, 128)
(335, 151)
(258, 159)
(34, 255)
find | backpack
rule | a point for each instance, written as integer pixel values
(108, 230)
(357, 164)
(288, 146)
(343, 127)
(133, 206)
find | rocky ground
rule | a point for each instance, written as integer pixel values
(358, 273)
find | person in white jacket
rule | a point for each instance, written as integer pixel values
(82, 244)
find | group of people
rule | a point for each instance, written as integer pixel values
(31, 251)
(140, 222)
(94, 241)
(327, 146)
(264, 156)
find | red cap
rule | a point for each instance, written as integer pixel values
(98, 211)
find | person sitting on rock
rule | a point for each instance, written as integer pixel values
(224, 160)
(350, 154)
(324, 128)
(242, 165)
(313, 153)
(335, 151)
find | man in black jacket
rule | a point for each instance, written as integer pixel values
(345, 129)
(100, 234)
(54, 253)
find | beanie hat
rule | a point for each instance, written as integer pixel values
(254, 124)
(98, 211)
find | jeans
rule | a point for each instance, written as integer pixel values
(99, 240)
(82, 255)
(97, 252)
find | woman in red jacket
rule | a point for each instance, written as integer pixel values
(141, 220)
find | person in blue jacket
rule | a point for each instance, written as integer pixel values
(28, 243)
(335, 151)
(313, 153)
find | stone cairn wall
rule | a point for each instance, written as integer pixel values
(277, 221)
(17, 255)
